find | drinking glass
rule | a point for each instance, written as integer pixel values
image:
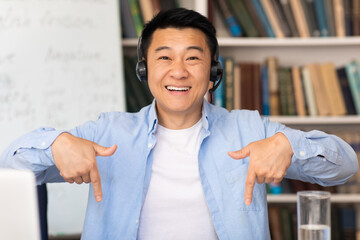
(313, 213)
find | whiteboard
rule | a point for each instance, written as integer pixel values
(60, 65)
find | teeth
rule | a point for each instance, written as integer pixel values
(171, 88)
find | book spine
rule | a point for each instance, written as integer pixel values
(274, 21)
(243, 17)
(135, 12)
(353, 74)
(265, 91)
(263, 18)
(229, 69)
(230, 20)
(309, 92)
(346, 92)
(289, 17)
(339, 18)
(321, 18)
(299, 18)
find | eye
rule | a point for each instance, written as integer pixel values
(164, 58)
(193, 58)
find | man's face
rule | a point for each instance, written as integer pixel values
(178, 62)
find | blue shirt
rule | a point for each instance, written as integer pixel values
(125, 176)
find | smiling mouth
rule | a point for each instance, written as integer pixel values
(177, 89)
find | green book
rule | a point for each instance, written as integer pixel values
(136, 14)
(353, 74)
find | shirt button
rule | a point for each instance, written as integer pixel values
(149, 145)
(324, 159)
(43, 143)
(137, 221)
(302, 153)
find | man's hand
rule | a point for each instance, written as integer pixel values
(269, 160)
(76, 160)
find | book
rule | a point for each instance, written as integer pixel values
(345, 89)
(356, 18)
(136, 15)
(348, 17)
(339, 18)
(249, 6)
(321, 17)
(229, 19)
(283, 91)
(287, 101)
(299, 17)
(289, 17)
(273, 19)
(272, 66)
(265, 91)
(147, 10)
(275, 222)
(286, 223)
(347, 223)
(229, 84)
(127, 21)
(329, 9)
(263, 18)
(309, 92)
(256, 76)
(332, 89)
(310, 16)
(281, 17)
(247, 85)
(321, 99)
(298, 91)
(242, 15)
(353, 75)
(237, 87)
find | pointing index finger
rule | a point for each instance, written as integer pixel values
(249, 185)
(96, 182)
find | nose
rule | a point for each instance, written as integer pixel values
(179, 70)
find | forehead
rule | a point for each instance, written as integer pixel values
(174, 37)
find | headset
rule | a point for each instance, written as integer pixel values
(216, 70)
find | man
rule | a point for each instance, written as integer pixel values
(171, 172)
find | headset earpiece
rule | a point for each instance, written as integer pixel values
(141, 68)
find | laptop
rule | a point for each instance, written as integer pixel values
(19, 215)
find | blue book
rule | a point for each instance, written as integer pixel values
(219, 94)
(230, 20)
(353, 74)
(265, 92)
(321, 18)
(263, 18)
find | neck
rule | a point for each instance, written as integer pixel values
(177, 120)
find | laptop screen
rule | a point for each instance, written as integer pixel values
(19, 216)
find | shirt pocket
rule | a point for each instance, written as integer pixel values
(236, 179)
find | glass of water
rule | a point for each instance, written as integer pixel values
(313, 214)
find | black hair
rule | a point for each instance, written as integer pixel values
(179, 18)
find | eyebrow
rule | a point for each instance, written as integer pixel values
(188, 48)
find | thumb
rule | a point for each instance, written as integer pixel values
(240, 154)
(104, 151)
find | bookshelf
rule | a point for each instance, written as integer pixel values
(289, 51)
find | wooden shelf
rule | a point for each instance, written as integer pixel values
(274, 42)
(296, 120)
(335, 198)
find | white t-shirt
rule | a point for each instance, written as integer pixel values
(175, 205)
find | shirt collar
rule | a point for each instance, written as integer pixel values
(153, 120)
